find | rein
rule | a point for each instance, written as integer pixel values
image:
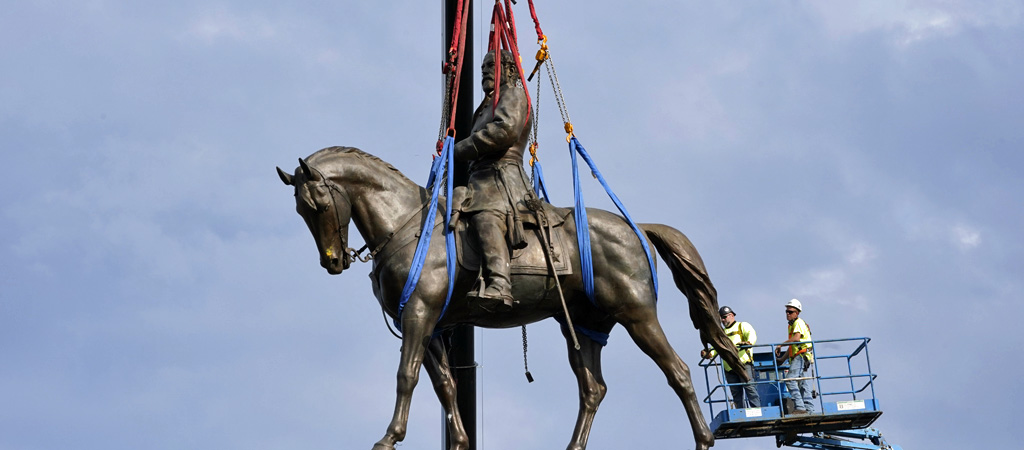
(356, 255)
(332, 188)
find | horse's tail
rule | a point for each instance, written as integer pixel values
(692, 279)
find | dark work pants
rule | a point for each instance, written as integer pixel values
(752, 400)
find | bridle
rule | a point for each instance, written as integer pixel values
(350, 253)
(347, 252)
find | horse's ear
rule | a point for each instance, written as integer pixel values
(309, 173)
(285, 177)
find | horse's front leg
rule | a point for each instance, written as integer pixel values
(417, 325)
(444, 385)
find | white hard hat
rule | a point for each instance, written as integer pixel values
(795, 304)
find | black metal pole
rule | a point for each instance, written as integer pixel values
(462, 340)
(464, 103)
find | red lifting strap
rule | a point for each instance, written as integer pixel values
(503, 36)
(536, 23)
(456, 35)
(456, 53)
(511, 22)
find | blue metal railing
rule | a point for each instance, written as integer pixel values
(769, 374)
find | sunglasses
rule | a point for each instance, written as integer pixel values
(790, 311)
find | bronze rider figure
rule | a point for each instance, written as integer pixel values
(497, 183)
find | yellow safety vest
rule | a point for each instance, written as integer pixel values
(738, 333)
(799, 326)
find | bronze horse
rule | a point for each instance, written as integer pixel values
(337, 185)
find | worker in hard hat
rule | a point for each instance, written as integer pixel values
(743, 336)
(800, 356)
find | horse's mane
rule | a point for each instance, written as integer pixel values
(330, 154)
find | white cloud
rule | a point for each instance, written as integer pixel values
(841, 281)
(821, 282)
(221, 24)
(912, 21)
(925, 25)
(921, 222)
(832, 285)
(860, 253)
(965, 237)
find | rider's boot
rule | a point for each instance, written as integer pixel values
(496, 295)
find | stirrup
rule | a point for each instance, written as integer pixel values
(490, 303)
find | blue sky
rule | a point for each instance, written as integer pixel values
(158, 291)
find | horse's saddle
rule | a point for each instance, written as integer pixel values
(529, 260)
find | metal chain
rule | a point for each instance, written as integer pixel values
(446, 108)
(526, 366)
(537, 112)
(357, 254)
(562, 108)
(534, 142)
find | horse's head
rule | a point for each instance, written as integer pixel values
(327, 210)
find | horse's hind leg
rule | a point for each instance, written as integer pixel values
(649, 336)
(444, 385)
(586, 364)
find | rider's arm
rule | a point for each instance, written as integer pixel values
(501, 132)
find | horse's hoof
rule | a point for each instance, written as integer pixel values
(460, 444)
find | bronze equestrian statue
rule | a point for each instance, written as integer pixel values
(338, 185)
(497, 186)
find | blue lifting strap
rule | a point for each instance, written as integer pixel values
(596, 336)
(539, 187)
(582, 228)
(442, 164)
